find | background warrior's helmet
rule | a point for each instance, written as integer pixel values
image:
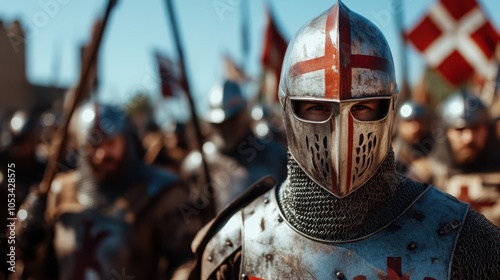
(94, 121)
(463, 110)
(226, 101)
(340, 58)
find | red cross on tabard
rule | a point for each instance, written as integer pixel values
(338, 73)
(476, 205)
(86, 256)
(394, 271)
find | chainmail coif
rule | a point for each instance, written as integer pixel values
(315, 212)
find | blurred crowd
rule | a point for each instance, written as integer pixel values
(130, 194)
(139, 192)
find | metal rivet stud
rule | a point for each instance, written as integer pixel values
(412, 246)
(210, 258)
(244, 277)
(280, 219)
(340, 275)
(266, 201)
(229, 243)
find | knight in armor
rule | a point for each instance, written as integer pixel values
(414, 139)
(235, 155)
(113, 217)
(465, 162)
(344, 212)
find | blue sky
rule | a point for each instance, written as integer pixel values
(56, 28)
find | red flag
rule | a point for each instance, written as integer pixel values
(232, 71)
(273, 53)
(169, 76)
(456, 38)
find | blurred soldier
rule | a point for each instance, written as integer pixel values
(19, 162)
(465, 162)
(235, 155)
(414, 138)
(167, 147)
(19, 146)
(112, 217)
(343, 212)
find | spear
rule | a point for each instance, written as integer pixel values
(207, 191)
(74, 98)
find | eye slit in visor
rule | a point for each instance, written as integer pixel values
(314, 111)
(370, 110)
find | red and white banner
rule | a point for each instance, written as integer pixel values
(457, 39)
(171, 82)
(232, 71)
(273, 53)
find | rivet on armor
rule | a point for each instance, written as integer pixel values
(266, 201)
(280, 219)
(229, 243)
(210, 258)
(340, 275)
(244, 277)
(453, 225)
(412, 246)
(269, 257)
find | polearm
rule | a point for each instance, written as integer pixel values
(208, 190)
(245, 34)
(404, 90)
(74, 98)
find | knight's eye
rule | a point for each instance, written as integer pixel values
(358, 107)
(312, 110)
(370, 110)
(318, 108)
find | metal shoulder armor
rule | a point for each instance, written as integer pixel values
(222, 237)
(419, 244)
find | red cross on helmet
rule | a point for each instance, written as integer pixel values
(338, 90)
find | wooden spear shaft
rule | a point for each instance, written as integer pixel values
(74, 98)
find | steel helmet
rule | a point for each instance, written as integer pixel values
(225, 102)
(340, 58)
(412, 111)
(462, 110)
(94, 121)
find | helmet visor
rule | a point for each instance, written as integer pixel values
(320, 111)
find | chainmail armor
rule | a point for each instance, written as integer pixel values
(477, 255)
(89, 194)
(313, 211)
(94, 194)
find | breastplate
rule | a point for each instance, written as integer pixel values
(419, 244)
